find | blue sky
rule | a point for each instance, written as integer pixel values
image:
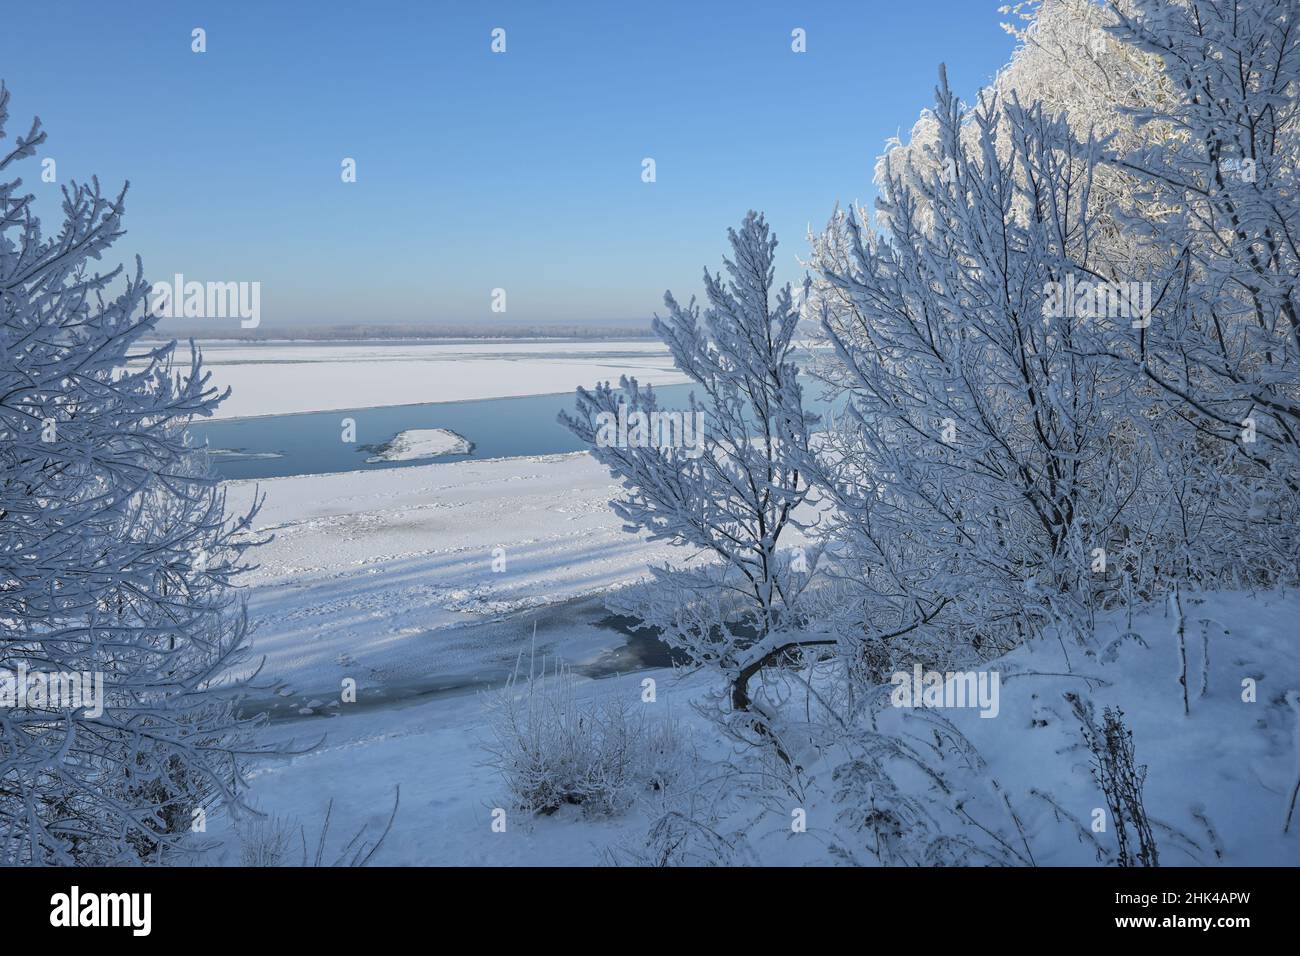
(475, 170)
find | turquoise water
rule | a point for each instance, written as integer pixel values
(311, 443)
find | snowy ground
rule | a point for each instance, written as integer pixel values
(435, 752)
(275, 378)
(1229, 762)
(423, 585)
(405, 579)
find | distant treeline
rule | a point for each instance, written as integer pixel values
(622, 330)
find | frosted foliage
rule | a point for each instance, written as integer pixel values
(115, 550)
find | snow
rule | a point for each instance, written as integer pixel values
(277, 378)
(389, 575)
(416, 443)
(387, 578)
(1228, 760)
(389, 605)
(434, 752)
(1228, 756)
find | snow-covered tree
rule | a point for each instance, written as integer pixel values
(116, 553)
(1216, 213)
(984, 460)
(731, 495)
(1067, 61)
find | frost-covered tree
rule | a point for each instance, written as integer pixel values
(1067, 61)
(731, 495)
(1216, 213)
(984, 459)
(116, 553)
(1159, 156)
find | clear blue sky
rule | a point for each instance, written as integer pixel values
(475, 170)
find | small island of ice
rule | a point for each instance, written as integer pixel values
(417, 443)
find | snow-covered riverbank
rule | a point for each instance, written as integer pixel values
(389, 577)
(1216, 780)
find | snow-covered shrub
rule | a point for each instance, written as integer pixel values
(707, 818)
(553, 750)
(894, 826)
(923, 799)
(1120, 780)
(680, 838)
(266, 841)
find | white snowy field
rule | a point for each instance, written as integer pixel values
(1216, 783)
(276, 378)
(389, 577)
